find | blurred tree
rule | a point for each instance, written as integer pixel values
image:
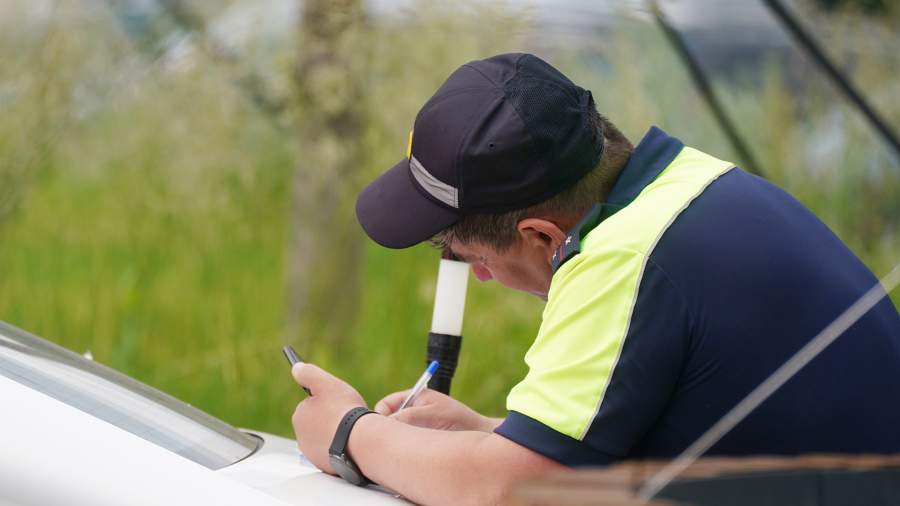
(323, 262)
(41, 79)
(251, 85)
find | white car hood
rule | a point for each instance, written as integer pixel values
(280, 470)
(53, 453)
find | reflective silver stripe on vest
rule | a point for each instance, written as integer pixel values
(435, 187)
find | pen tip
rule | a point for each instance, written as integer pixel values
(432, 367)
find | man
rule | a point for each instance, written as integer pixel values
(666, 304)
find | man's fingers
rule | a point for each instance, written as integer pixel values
(311, 376)
(414, 416)
(391, 403)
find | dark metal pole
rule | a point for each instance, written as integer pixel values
(843, 84)
(706, 91)
(445, 349)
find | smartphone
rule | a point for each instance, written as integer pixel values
(292, 359)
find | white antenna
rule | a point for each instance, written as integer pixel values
(450, 298)
(778, 378)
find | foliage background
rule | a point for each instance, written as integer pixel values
(145, 199)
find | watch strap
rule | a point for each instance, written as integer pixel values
(342, 434)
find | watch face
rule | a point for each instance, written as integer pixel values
(346, 469)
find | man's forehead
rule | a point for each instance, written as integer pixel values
(448, 254)
(457, 251)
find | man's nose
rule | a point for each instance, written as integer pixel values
(481, 272)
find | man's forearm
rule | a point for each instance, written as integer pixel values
(440, 467)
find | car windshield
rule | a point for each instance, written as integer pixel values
(120, 400)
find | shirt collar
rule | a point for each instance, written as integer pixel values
(651, 156)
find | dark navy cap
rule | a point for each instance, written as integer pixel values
(500, 134)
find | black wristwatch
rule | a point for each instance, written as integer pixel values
(337, 455)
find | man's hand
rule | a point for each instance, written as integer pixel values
(434, 410)
(316, 418)
(442, 467)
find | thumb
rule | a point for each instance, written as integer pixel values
(391, 403)
(311, 376)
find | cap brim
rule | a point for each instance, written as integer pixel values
(395, 214)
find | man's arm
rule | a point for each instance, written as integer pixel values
(426, 465)
(442, 467)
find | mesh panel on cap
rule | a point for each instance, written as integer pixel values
(555, 113)
(554, 118)
(533, 98)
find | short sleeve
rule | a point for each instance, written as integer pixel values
(605, 362)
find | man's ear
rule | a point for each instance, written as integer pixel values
(542, 234)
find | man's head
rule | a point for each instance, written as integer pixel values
(502, 160)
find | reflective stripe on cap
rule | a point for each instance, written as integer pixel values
(435, 187)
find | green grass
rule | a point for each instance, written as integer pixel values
(152, 220)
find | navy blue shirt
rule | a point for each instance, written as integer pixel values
(737, 280)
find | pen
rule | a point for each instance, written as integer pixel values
(420, 385)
